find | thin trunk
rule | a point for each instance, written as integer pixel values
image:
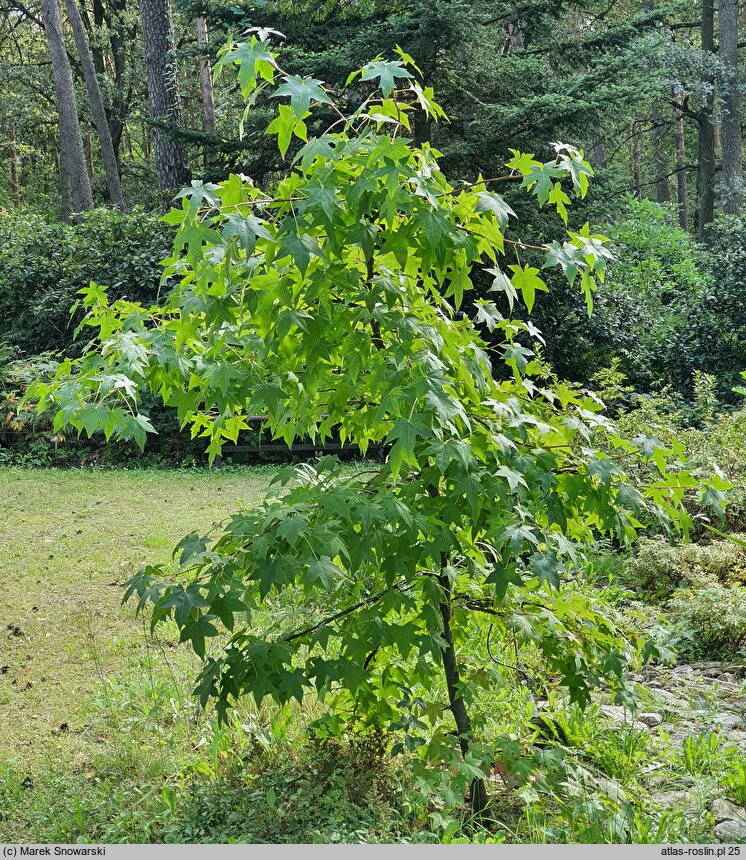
(205, 81)
(13, 156)
(516, 36)
(89, 153)
(635, 158)
(660, 168)
(478, 790)
(706, 132)
(13, 159)
(680, 164)
(71, 142)
(599, 150)
(96, 101)
(730, 107)
(145, 143)
(662, 191)
(171, 164)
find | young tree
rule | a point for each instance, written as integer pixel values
(330, 306)
(162, 75)
(73, 167)
(108, 156)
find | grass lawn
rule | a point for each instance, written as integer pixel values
(100, 739)
(68, 542)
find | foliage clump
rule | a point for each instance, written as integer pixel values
(45, 264)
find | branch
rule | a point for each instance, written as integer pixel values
(337, 615)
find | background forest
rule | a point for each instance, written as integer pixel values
(613, 451)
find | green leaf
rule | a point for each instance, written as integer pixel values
(196, 630)
(489, 202)
(386, 72)
(246, 228)
(525, 279)
(301, 92)
(323, 570)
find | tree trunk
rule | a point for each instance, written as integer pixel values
(678, 138)
(478, 790)
(171, 164)
(635, 159)
(13, 159)
(88, 142)
(706, 132)
(515, 35)
(97, 105)
(730, 107)
(205, 80)
(71, 142)
(662, 190)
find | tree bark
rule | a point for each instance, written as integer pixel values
(706, 132)
(71, 142)
(205, 80)
(681, 189)
(477, 789)
(171, 164)
(730, 107)
(98, 110)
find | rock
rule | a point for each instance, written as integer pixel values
(737, 669)
(680, 800)
(729, 677)
(669, 701)
(621, 716)
(651, 720)
(731, 831)
(616, 713)
(728, 722)
(724, 810)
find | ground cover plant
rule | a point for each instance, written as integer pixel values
(331, 305)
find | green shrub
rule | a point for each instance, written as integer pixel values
(44, 264)
(717, 615)
(702, 588)
(660, 569)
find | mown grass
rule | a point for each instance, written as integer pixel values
(68, 542)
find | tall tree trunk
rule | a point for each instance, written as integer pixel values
(662, 191)
(678, 138)
(171, 164)
(66, 200)
(205, 80)
(71, 142)
(635, 159)
(97, 105)
(730, 107)
(706, 132)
